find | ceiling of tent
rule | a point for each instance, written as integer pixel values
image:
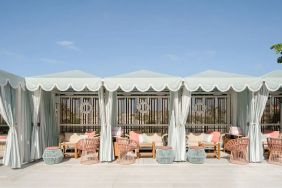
(273, 80)
(76, 80)
(14, 80)
(143, 80)
(223, 81)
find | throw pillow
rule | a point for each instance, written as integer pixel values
(235, 130)
(117, 131)
(215, 136)
(207, 137)
(145, 138)
(134, 136)
(141, 140)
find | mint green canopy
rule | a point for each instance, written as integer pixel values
(143, 80)
(14, 80)
(75, 79)
(273, 80)
(222, 81)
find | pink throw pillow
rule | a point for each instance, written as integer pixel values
(134, 136)
(90, 134)
(215, 136)
(274, 134)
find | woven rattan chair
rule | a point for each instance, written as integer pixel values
(89, 147)
(275, 150)
(127, 151)
(239, 150)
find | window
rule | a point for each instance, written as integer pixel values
(137, 109)
(209, 109)
(272, 109)
(76, 110)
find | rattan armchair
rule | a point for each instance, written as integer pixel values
(275, 150)
(239, 150)
(89, 147)
(127, 151)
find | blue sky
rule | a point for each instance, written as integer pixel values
(112, 37)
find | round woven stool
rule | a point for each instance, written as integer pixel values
(53, 155)
(196, 155)
(165, 155)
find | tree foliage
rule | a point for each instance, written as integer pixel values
(278, 49)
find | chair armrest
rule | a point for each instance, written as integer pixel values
(165, 139)
(126, 135)
(165, 135)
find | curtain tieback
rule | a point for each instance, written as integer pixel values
(38, 124)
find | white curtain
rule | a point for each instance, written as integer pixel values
(258, 103)
(35, 140)
(11, 156)
(243, 109)
(234, 97)
(52, 127)
(24, 125)
(107, 104)
(43, 118)
(179, 110)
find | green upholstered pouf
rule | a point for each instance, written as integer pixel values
(196, 155)
(165, 155)
(53, 155)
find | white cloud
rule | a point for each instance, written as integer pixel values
(68, 44)
(50, 61)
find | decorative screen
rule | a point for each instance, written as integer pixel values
(79, 110)
(142, 110)
(272, 109)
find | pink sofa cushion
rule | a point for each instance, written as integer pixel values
(215, 136)
(134, 136)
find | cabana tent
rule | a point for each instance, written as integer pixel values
(11, 97)
(44, 132)
(143, 81)
(249, 97)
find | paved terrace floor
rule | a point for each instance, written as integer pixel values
(145, 173)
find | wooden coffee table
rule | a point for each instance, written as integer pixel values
(214, 147)
(147, 150)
